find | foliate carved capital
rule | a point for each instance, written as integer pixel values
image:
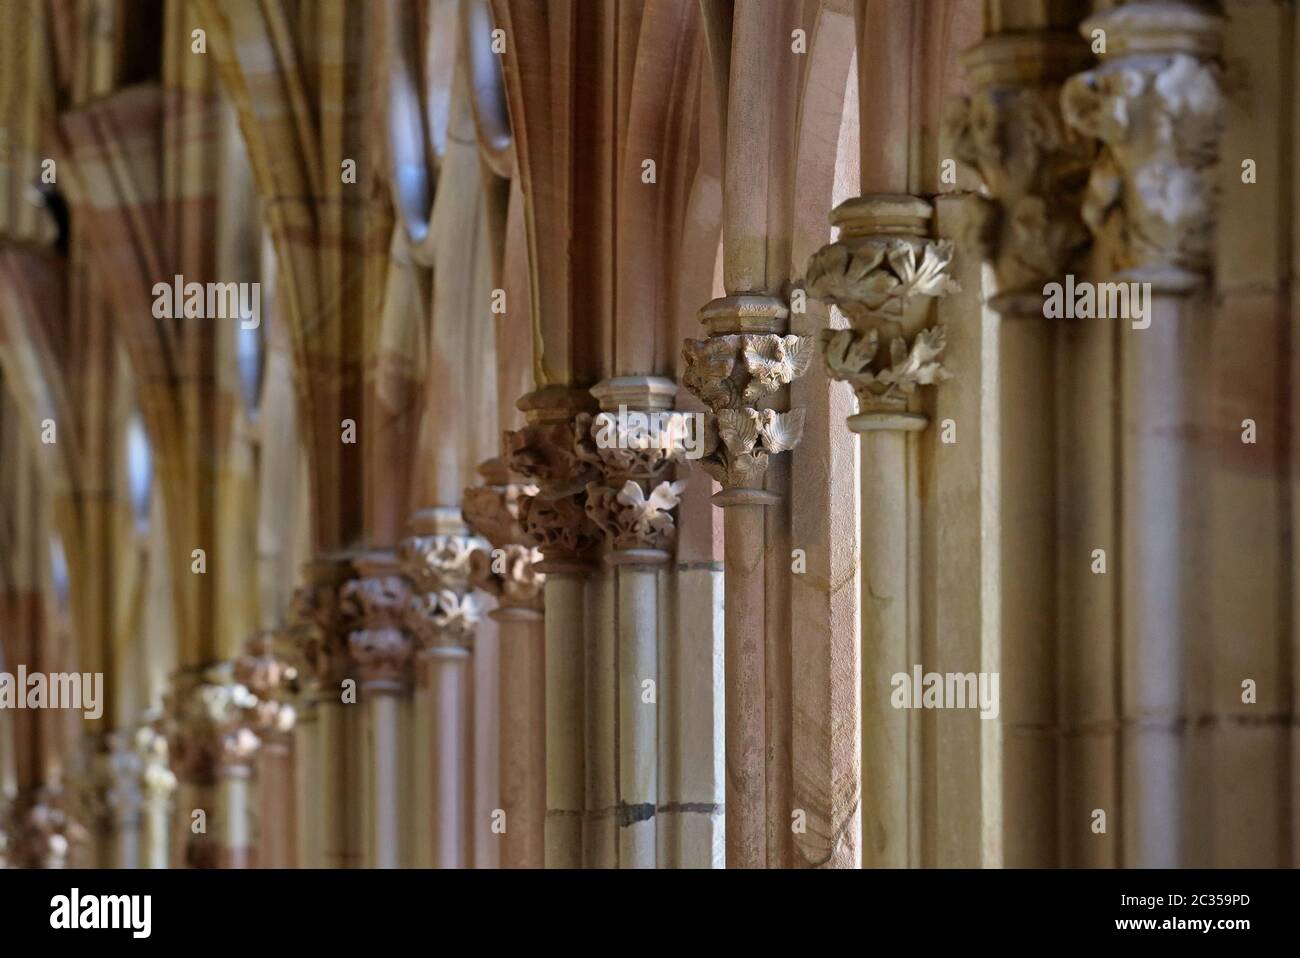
(509, 573)
(492, 510)
(211, 725)
(630, 519)
(273, 679)
(378, 606)
(320, 623)
(551, 454)
(731, 373)
(437, 563)
(443, 619)
(39, 830)
(559, 526)
(883, 274)
(1012, 133)
(626, 445)
(1156, 104)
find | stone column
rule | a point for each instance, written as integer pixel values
(442, 615)
(632, 504)
(1156, 105)
(376, 605)
(556, 519)
(1010, 131)
(509, 574)
(883, 274)
(740, 373)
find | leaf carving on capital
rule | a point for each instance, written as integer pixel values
(632, 520)
(273, 680)
(620, 447)
(880, 280)
(210, 724)
(1152, 191)
(382, 654)
(518, 584)
(737, 443)
(1035, 167)
(376, 602)
(437, 562)
(853, 357)
(739, 369)
(559, 526)
(492, 511)
(320, 624)
(441, 619)
(551, 454)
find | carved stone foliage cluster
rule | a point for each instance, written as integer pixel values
(320, 623)
(559, 526)
(884, 286)
(1158, 115)
(273, 680)
(732, 374)
(441, 609)
(380, 608)
(39, 831)
(554, 519)
(508, 572)
(211, 725)
(631, 519)
(1035, 167)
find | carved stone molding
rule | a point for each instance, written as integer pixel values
(40, 830)
(1156, 104)
(883, 274)
(745, 362)
(1011, 132)
(560, 527)
(378, 606)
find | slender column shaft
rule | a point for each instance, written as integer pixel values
(638, 664)
(565, 776)
(307, 782)
(234, 794)
(449, 671)
(523, 736)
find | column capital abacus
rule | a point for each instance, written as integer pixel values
(883, 273)
(1156, 104)
(744, 363)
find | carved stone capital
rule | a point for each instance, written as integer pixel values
(732, 373)
(560, 527)
(492, 509)
(40, 830)
(1011, 132)
(1156, 104)
(273, 678)
(509, 573)
(210, 725)
(377, 604)
(883, 274)
(157, 781)
(634, 522)
(320, 622)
